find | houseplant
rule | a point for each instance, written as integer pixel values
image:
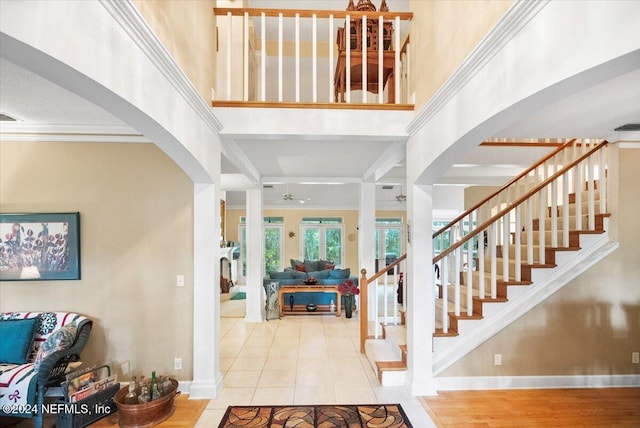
(348, 289)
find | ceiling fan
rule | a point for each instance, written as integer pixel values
(401, 197)
(290, 197)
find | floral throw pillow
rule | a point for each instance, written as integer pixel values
(60, 339)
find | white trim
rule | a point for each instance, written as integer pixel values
(133, 23)
(71, 133)
(535, 382)
(509, 25)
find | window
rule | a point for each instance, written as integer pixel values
(388, 241)
(322, 239)
(273, 248)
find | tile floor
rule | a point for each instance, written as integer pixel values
(302, 359)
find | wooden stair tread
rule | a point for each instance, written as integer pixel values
(391, 365)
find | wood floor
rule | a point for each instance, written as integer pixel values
(186, 415)
(593, 407)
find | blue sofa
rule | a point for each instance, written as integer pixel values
(293, 276)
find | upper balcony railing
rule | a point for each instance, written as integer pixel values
(312, 57)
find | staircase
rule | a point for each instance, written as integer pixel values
(508, 253)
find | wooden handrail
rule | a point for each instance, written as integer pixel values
(308, 13)
(509, 183)
(517, 202)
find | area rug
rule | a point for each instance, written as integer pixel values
(325, 416)
(240, 295)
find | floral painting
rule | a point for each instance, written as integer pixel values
(39, 246)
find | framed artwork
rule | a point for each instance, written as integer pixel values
(39, 246)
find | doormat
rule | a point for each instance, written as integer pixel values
(240, 295)
(351, 416)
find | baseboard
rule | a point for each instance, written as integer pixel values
(535, 382)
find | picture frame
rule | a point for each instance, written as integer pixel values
(39, 246)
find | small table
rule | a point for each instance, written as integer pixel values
(309, 289)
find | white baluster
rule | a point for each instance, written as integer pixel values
(494, 260)
(314, 56)
(579, 184)
(229, 36)
(457, 260)
(380, 59)
(591, 195)
(505, 246)
(602, 179)
(481, 290)
(529, 203)
(263, 57)
(297, 57)
(518, 243)
(347, 30)
(445, 294)
(245, 23)
(364, 59)
(396, 69)
(470, 273)
(541, 225)
(280, 56)
(566, 213)
(554, 213)
(330, 74)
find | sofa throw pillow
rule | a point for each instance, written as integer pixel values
(60, 339)
(340, 273)
(16, 340)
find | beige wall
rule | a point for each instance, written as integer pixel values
(136, 231)
(292, 219)
(188, 30)
(443, 33)
(589, 327)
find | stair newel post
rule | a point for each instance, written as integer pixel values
(517, 243)
(364, 309)
(494, 260)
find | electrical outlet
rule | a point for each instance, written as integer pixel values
(635, 358)
(497, 359)
(180, 281)
(177, 363)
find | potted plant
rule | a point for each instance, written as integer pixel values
(348, 289)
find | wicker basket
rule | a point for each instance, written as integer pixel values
(146, 414)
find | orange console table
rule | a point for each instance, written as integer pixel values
(309, 289)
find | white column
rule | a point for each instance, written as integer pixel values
(207, 378)
(420, 313)
(255, 256)
(367, 238)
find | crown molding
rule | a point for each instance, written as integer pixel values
(16, 131)
(516, 18)
(133, 23)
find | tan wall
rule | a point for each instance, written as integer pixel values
(292, 219)
(443, 33)
(188, 30)
(136, 211)
(589, 327)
